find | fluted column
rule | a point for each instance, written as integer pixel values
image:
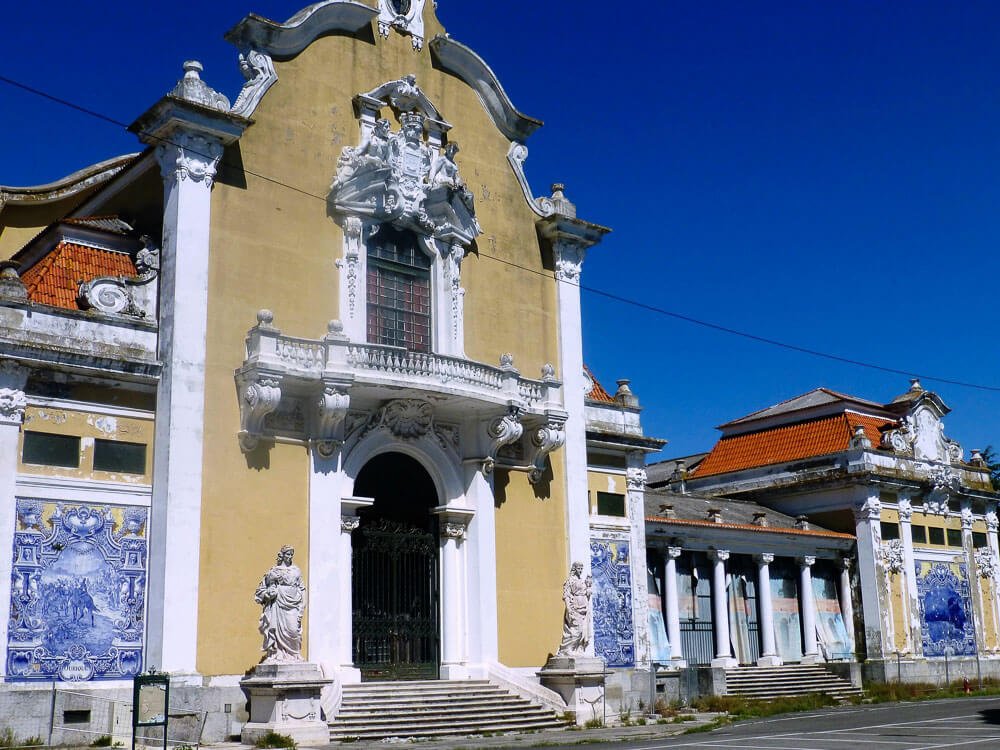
(810, 651)
(847, 602)
(673, 604)
(720, 610)
(769, 657)
(13, 402)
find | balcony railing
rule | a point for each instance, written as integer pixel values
(334, 357)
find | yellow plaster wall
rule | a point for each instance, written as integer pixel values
(532, 563)
(900, 625)
(988, 614)
(275, 247)
(602, 481)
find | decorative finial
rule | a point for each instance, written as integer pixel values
(915, 384)
(265, 318)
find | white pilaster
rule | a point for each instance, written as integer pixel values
(188, 168)
(720, 610)
(189, 129)
(847, 602)
(913, 638)
(12, 404)
(975, 581)
(994, 547)
(867, 516)
(673, 605)
(454, 601)
(482, 574)
(329, 576)
(635, 485)
(810, 651)
(769, 657)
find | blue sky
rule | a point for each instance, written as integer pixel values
(822, 173)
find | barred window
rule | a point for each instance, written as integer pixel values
(399, 290)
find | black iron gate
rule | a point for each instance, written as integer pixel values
(395, 589)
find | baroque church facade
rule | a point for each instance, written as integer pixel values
(239, 339)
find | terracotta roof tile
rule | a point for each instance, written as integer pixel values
(56, 278)
(818, 437)
(597, 393)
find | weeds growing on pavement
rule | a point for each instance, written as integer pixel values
(889, 692)
(740, 708)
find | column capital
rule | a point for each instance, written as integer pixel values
(13, 401)
(349, 523)
(807, 562)
(966, 514)
(764, 558)
(905, 509)
(845, 563)
(868, 510)
(991, 521)
(673, 552)
(719, 555)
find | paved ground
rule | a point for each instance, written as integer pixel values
(968, 724)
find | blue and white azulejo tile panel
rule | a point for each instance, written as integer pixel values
(611, 602)
(947, 624)
(78, 592)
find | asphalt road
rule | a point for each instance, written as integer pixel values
(969, 724)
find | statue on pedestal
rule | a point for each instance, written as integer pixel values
(282, 595)
(576, 623)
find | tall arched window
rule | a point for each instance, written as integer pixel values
(399, 290)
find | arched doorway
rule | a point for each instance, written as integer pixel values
(395, 585)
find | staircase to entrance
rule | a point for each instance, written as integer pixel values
(764, 683)
(435, 708)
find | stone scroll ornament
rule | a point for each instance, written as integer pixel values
(282, 595)
(577, 591)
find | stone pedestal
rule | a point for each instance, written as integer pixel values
(579, 680)
(285, 698)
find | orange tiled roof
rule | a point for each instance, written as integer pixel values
(55, 279)
(597, 393)
(793, 442)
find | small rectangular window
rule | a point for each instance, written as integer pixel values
(978, 539)
(120, 457)
(919, 534)
(46, 449)
(76, 716)
(954, 538)
(890, 530)
(610, 504)
(936, 535)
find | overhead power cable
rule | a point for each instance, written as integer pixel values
(546, 274)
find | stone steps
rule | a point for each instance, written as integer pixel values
(441, 708)
(763, 683)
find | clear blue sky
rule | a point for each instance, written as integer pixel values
(823, 173)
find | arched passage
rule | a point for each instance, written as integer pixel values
(396, 583)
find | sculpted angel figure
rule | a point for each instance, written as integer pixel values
(444, 173)
(371, 153)
(576, 622)
(281, 593)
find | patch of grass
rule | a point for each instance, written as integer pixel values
(681, 718)
(718, 721)
(594, 724)
(738, 707)
(889, 692)
(103, 741)
(273, 739)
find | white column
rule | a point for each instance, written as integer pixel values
(975, 581)
(846, 602)
(871, 572)
(810, 652)
(720, 610)
(188, 164)
(12, 404)
(454, 524)
(914, 641)
(673, 605)
(769, 657)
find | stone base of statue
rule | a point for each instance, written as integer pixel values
(285, 698)
(579, 680)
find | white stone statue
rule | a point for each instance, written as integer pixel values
(371, 154)
(283, 596)
(576, 622)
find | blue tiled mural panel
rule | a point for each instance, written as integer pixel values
(611, 602)
(78, 590)
(946, 623)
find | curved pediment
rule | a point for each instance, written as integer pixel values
(286, 40)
